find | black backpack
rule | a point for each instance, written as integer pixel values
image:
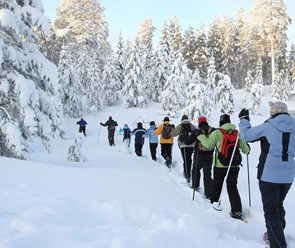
(227, 146)
(127, 133)
(185, 131)
(166, 132)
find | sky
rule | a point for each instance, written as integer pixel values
(127, 15)
(118, 200)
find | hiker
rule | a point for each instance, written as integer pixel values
(220, 169)
(275, 167)
(126, 131)
(139, 134)
(184, 129)
(111, 125)
(153, 140)
(166, 140)
(82, 127)
(203, 158)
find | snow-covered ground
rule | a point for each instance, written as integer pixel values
(119, 200)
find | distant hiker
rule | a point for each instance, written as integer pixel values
(275, 165)
(183, 130)
(111, 124)
(220, 169)
(126, 131)
(153, 140)
(203, 158)
(82, 127)
(139, 133)
(166, 140)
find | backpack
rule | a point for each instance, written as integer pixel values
(204, 148)
(185, 132)
(227, 146)
(167, 129)
(126, 133)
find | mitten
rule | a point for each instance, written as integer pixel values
(244, 114)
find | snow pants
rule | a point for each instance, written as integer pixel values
(273, 196)
(153, 150)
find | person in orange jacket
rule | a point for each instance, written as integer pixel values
(166, 140)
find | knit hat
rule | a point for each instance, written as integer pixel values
(125, 125)
(277, 107)
(202, 119)
(166, 119)
(152, 123)
(139, 124)
(224, 118)
(184, 117)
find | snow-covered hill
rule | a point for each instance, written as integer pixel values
(119, 200)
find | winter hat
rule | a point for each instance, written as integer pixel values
(166, 119)
(277, 107)
(184, 117)
(224, 119)
(202, 119)
(139, 124)
(125, 125)
(152, 123)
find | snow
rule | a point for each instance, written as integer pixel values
(119, 200)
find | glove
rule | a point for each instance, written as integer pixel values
(101, 123)
(244, 114)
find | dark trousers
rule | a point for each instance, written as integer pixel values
(231, 185)
(186, 153)
(82, 130)
(273, 196)
(203, 160)
(138, 149)
(153, 150)
(111, 135)
(166, 152)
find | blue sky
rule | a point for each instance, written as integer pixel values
(127, 15)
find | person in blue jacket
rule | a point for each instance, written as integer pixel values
(140, 134)
(126, 131)
(275, 167)
(153, 139)
(82, 126)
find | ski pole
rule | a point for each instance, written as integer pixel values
(185, 164)
(98, 134)
(217, 205)
(249, 191)
(195, 168)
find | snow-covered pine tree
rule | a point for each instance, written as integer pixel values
(224, 94)
(70, 86)
(119, 63)
(211, 86)
(75, 150)
(175, 35)
(109, 85)
(134, 81)
(28, 81)
(277, 86)
(201, 56)
(175, 90)
(255, 99)
(196, 103)
(258, 79)
(189, 47)
(249, 81)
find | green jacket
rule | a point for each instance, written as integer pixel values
(215, 138)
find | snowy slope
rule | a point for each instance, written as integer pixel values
(118, 200)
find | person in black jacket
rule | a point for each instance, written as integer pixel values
(140, 134)
(111, 124)
(82, 126)
(203, 158)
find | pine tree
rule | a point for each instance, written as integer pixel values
(248, 81)
(29, 109)
(70, 86)
(189, 47)
(201, 54)
(256, 94)
(109, 85)
(75, 150)
(211, 85)
(134, 81)
(119, 63)
(224, 94)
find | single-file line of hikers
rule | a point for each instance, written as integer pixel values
(215, 153)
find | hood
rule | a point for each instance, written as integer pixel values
(283, 122)
(186, 121)
(228, 126)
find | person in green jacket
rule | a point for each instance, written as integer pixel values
(220, 170)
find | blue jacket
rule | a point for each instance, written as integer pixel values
(150, 134)
(139, 133)
(82, 122)
(277, 141)
(122, 130)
